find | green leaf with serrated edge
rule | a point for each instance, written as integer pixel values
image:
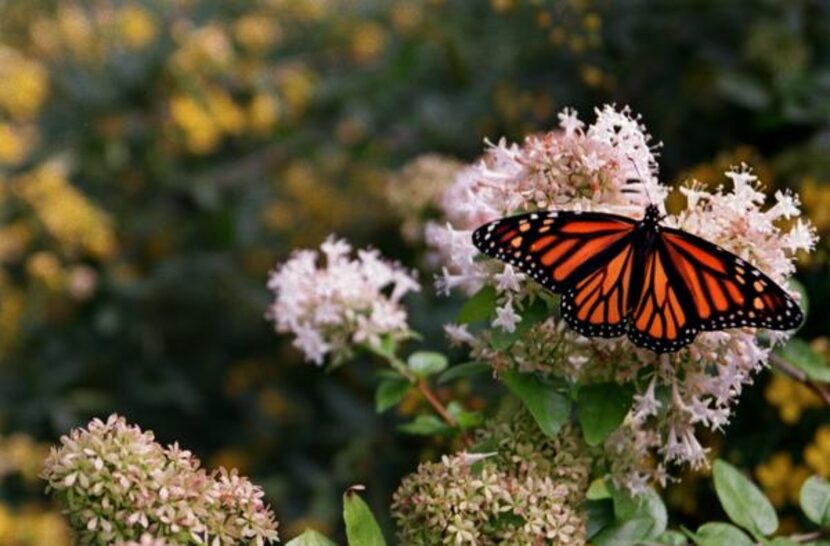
(602, 408)
(800, 354)
(310, 537)
(721, 534)
(743, 501)
(548, 406)
(361, 527)
(467, 369)
(815, 501)
(425, 425)
(426, 363)
(390, 392)
(481, 306)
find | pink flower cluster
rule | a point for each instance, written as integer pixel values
(347, 301)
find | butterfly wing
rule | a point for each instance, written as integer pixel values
(691, 285)
(585, 256)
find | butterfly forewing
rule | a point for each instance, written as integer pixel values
(556, 248)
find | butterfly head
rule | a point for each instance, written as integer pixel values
(652, 217)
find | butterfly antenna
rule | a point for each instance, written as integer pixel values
(639, 180)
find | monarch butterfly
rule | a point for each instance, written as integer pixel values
(659, 285)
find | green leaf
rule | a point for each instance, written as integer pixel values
(785, 541)
(361, 527)
(390, 392)
(425, 425)
(598, 490)
(310, 537)
(815, 501)
(799, 353)
(426, 363)
(647, 506)
(465, 419)
(721, 534)
(468, 369)
(623, 533)
(743, 502)
(602, 408)
(479, 307)
(600, 515)
(672, 538)
(550, 408)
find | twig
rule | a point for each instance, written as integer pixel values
(793, 372)
(436, 404)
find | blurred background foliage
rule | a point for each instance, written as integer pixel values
(158, 157)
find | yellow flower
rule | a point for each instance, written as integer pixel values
(12, 305)
(791, 398)
(817, 454)
(77, 30)
(816, 199)
(368, 41)
(15, 143)
(225, 112)
(23, 85)
(263, 113)
(203, 48)
(781, 479)
(257, 32)
(201, 133)
(297, 83)
(137, 26)
(14, 238)
(65, 213)
(46, 268)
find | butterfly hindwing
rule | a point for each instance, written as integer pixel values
(691, 285)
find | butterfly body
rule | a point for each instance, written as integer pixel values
(659, 285)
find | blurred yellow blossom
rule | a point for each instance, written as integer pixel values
(15, 143)
(817, 454)
(781, 479)
(32, 526)
(257, 32)
(77, 30)
(137, 26)
(297, 84)
(14, 238)
(225, 112)
(45, 267)
(12, 306)
(368, 40)
(66, 214)
(263, 113)
(816, 199)
(791, 397)
(20, 454)
(23, 85)
(201, 133)
(203, 48)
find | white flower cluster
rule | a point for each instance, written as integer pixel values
(117, 485)
(345, 302)
(579, 168)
